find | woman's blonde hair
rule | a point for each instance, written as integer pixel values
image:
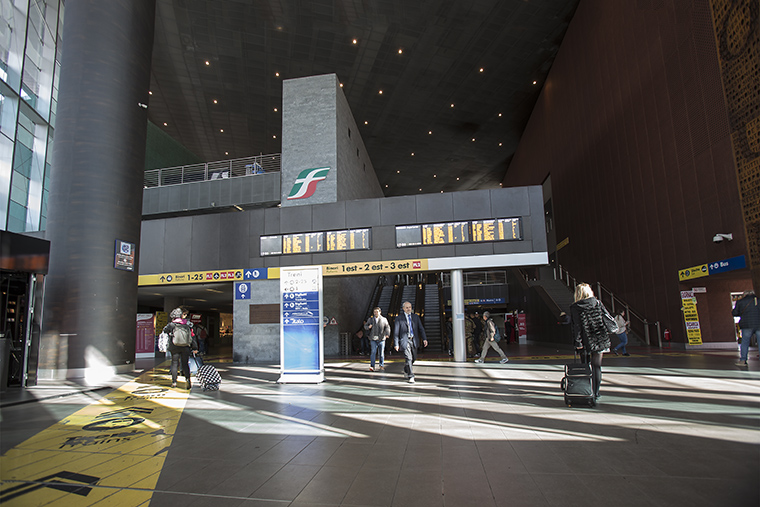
(583, 291)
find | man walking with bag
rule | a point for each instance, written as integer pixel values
(407, 331)
(378, 331)
(490, 339)
(748, 309)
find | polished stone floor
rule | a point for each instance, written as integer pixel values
(672, 429)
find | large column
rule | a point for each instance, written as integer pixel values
(457, 311)
(96, 188)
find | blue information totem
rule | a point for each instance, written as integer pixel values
(301, 331)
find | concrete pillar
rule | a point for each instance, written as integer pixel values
(457, 311)
(96, 188)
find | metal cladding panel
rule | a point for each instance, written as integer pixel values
(472, 205)
(205, 231)
(329, 216)
(363, 213)
(152, 246)
(398, 210)
(511, 202)
(295, 219)
(433, 208)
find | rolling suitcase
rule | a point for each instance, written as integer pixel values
(207, 375)
(577, 384)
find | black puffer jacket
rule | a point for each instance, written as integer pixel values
(749, 310)
(588, 327)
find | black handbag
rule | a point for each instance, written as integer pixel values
(609, 321)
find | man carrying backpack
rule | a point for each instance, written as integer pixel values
(491, 338)
(181, 344)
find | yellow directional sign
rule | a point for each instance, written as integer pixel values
(694, 272)
(363, 268)
(225, 275)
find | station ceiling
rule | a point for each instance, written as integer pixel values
(459, 79)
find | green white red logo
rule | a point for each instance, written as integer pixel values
(306, 182)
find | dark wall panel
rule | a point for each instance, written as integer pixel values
(631, 125)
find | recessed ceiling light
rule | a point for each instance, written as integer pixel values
(400, 51)
(166, 124)
(380, 92)
(482, 69)
(452, 105)
(276, 74)
(457, 178)
(420, 190)
(500, 144)
(216, 101)
(386, 186)
(473, 139)
(534, 82)
(398, 172)
(275, 109)
(150, 92)
(274, 137)
(499, 115)
(430, 132)
(412, 153)
(366, 123)
(354, 41)
(226, 152)
(435, 176)
(341, 85)
(208, 63)
(441, 191)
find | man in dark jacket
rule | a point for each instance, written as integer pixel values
(407, 331)
(748, 309)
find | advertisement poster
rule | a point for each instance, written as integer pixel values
(301, 330)
(691, 317)
(522, 328)
(145, 342)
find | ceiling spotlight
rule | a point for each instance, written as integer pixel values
(452, 105)
(398, 172)
(341, 85)
(366, 123)
(534, 82)
(420, 190)
(150, 92)
(274, 137)
(386, 185)
(473, 139)
(275, 109)
(380, 92)
(276, 74)
(166, 124)
(482, 69)
(430, 132)
(354, 41)
(412, 153)
(216, 101)
(499, 115)
(500, 144)
(208, 63)
(226, 152)
(457, 178)
(435, 176)
(221, 130)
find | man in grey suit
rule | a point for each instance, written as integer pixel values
(407, 332)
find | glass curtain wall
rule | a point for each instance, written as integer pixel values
(30, 34)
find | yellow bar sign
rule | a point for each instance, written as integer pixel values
(563, 243)
(695, 272)
(362, 268)
(227, 275)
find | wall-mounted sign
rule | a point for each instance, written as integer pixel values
(124, 255)
(363, 268)
(301, 331)
(691, 317)
(449, 233)
(226, 275)
(713, 268)
(315, 242)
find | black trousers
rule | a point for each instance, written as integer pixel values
(180, 357)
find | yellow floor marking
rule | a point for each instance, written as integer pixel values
(96, 453)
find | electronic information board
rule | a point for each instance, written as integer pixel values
(450, 233)
(304, 242)
(351, 239)
(315, 242)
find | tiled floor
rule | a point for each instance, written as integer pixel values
(671, 429)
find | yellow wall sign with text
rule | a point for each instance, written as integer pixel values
(226, 275)
(694, 272)
(691, 318)
(363, 268)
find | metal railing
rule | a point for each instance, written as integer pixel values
(222, 169)
(639, 323)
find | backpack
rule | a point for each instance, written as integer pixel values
(181, 335)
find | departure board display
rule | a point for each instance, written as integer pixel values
(270, 245)
(352, 239)
(304, 242)
(446, 233)
(500, 229)
(408, 235)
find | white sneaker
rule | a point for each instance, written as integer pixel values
(478, 360)
(505, 360)
(411, 380)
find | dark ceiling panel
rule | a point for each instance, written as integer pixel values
(443, 44)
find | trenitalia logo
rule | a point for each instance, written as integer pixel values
(306, 183)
